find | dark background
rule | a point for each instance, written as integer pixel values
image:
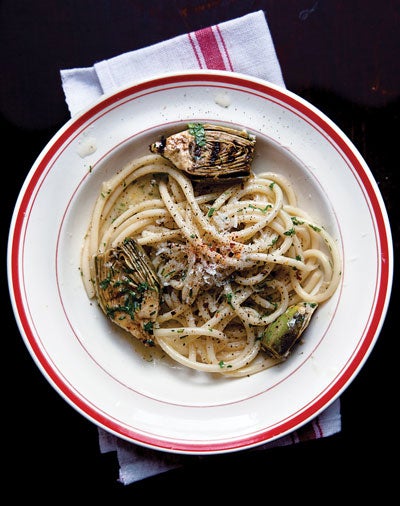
(340, 55)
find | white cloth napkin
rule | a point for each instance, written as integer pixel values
(241, 45)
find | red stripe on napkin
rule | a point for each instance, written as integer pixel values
(310, 431)
(209, 48)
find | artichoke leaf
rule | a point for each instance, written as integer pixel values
(127, 288)
(280, 336)
(205, 151)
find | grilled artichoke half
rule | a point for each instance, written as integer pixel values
(127, 289)
(207, 151)
(281, 335)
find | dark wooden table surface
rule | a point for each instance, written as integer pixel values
(343, 57)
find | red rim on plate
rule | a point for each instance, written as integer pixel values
(44, 169)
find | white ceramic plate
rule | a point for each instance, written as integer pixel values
(99, 372)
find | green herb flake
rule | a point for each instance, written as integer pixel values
(229, 297)
(105, 283)
(263, 210)
(296, 221)
(289, 232)
(148, 327)
(197, 130)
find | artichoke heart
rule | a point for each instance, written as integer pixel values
(127, 289)
(281, 335)
(206, 151)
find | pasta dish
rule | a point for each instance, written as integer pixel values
(222, 273)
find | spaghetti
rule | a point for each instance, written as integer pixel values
(230, 259)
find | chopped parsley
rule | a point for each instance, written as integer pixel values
(197, 130)
(148, 327)
(229, 297)
(296, 221)
(263, 210)
(289, 232)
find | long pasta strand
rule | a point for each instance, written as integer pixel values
(229, 262)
